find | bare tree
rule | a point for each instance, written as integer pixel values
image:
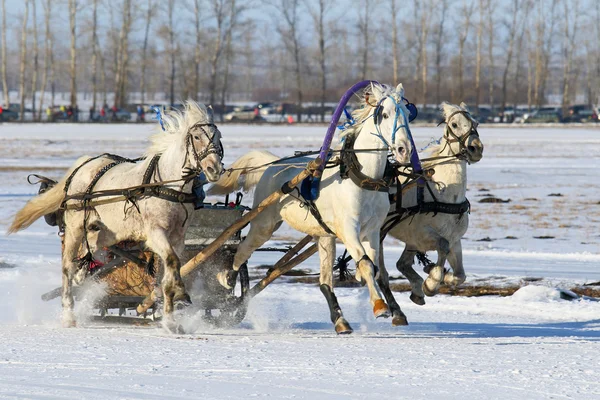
(394, 17)
(198, 47)
(23, 60)
(439, 37)
(234, 13)
(318, 16)
(94, 61)
(480, 24)
(73, 70)
(47, 51)
(518, 12)
(290, 35)
(544, 40)
(218, 8)
(569, 45)
(4, 58)
(520, 52)
(35, 58)
(172, 49)
(123, 56)
(491, 33)
(363, 28)
(425, 24)
(466, 12)
(149, 14)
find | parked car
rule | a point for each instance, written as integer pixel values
(483, 114)
(9, 115)
(266, 108)
(243, 114)
(120, 115)
(582, 113)
(428, 115)
(543, 115)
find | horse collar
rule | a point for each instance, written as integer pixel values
(350, 168)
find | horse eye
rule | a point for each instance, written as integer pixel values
(454, 125)
(385, 116)
(196, 137)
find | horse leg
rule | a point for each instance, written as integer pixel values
(365, 254)
(398, 317)
(436, 275)
(405, 266)
(457, 276)
(260, 232)
(327, 257)
(172, 284)
(71, 244)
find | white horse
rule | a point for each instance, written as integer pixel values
(443, 231)
(348, 212)
(191, 143)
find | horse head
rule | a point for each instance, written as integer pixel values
(203, 141)
(461, 132)
(391, 118)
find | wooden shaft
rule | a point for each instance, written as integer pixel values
(293, 251)
(282, 269)
(236, 226)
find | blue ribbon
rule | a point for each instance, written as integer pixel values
(159, 117)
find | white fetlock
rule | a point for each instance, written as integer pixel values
(222, 278)
(453, 280)
(68, 320)
(357, 275)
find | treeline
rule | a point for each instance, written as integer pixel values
(118, 52)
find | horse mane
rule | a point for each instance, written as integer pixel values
(367, 100)
(177, 123)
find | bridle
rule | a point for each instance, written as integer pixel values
(399, 111)
(211, 148)
(452, 137)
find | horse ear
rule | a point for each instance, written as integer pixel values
(377, 91)
(447, 109)
(464, 106)
(400, 89)
(210, 111)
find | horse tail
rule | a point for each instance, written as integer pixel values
(249, 167)
(46, 203)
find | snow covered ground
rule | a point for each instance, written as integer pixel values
(532, 345)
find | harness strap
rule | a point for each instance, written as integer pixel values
(350, 168)
(317, 215)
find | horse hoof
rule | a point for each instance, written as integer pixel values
(223, 278)
(399, 320)
(71, 323)
(380, 309)
(429, 292)
(342, 327)
(182, 302)
(417, 299)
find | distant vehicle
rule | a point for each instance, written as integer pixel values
(483, 114)
(9, 115)
(120, 115)
(582, 113)
(243, 114)
(543, 115)
(266, 108)
(428, 115)
(16, 107)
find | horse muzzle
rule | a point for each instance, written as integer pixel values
(474, 150)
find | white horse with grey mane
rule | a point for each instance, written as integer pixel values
(347, 211)
(157, 216)
(440, 231)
